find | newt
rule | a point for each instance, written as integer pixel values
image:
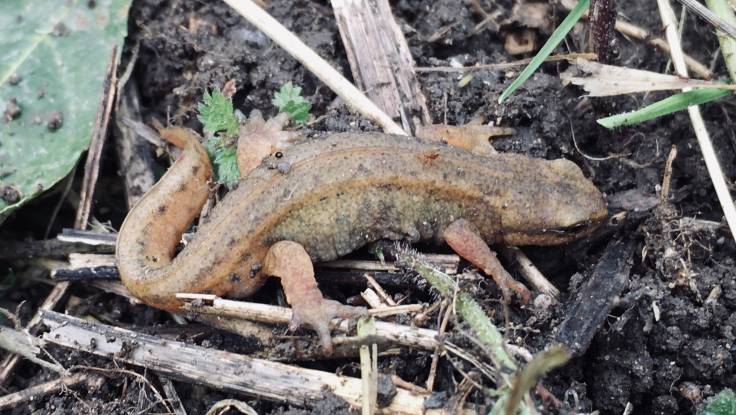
(324, 198)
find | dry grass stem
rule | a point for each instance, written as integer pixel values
(701, 133)
(312, 61)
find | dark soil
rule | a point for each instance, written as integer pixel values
(667, 344)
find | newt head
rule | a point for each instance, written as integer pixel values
(564, 206)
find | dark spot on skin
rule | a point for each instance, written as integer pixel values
(55, 121)
(195, 169)
(15, 79)
(12, 110)
(231, 243)
(161, 209)
(323, 198)
(60, 30)
(182, 188)
(9, 194)
(428, 157)
(233, 277)
(41, 93)
(255, 269)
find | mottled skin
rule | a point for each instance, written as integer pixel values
(335, 195)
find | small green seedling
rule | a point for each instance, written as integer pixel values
(221, 127)
(217, 115)
(289, 100)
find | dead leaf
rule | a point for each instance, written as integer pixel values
(609, 80)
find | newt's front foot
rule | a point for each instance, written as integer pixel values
(464, 239)
(289, 261)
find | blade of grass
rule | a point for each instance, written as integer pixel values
(728, 43)
(557, 36)
(666, 106)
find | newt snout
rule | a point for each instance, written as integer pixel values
(558, 206)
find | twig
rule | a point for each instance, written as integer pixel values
(436, 355)
(530, 272)
(172, 395)
(11, 361)
(134, 153)
(224, 405)
(602, 17)
(667, 176)
(379, 290)
(92, 165)
(505, 65)
(49, 248)
(407, 385)
(18, 399)
(368, 367)
(373, 300)
(387, 332)
(214, 368)
(380, 60)
(312, 61)
(710, 17)
(637, 32)
(23, 344)
(706, 147)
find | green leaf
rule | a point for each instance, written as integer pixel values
(289, 100)
(557, 36)
(54, 60)
(722, 404)
(217, 115)
(224, 160)
(666, 106)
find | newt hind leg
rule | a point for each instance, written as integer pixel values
(289, 261)
(464, 239)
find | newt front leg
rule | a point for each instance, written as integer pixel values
(464, 239)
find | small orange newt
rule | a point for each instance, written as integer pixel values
(323, 198)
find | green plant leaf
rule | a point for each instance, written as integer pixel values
(666, 106)
(224, 160)
(289, 100)
(52, 73)
(217, 115)
(722, 404)
(557, 36)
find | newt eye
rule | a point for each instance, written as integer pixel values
(279, 154)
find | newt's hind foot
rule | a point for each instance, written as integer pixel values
(289, 261)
